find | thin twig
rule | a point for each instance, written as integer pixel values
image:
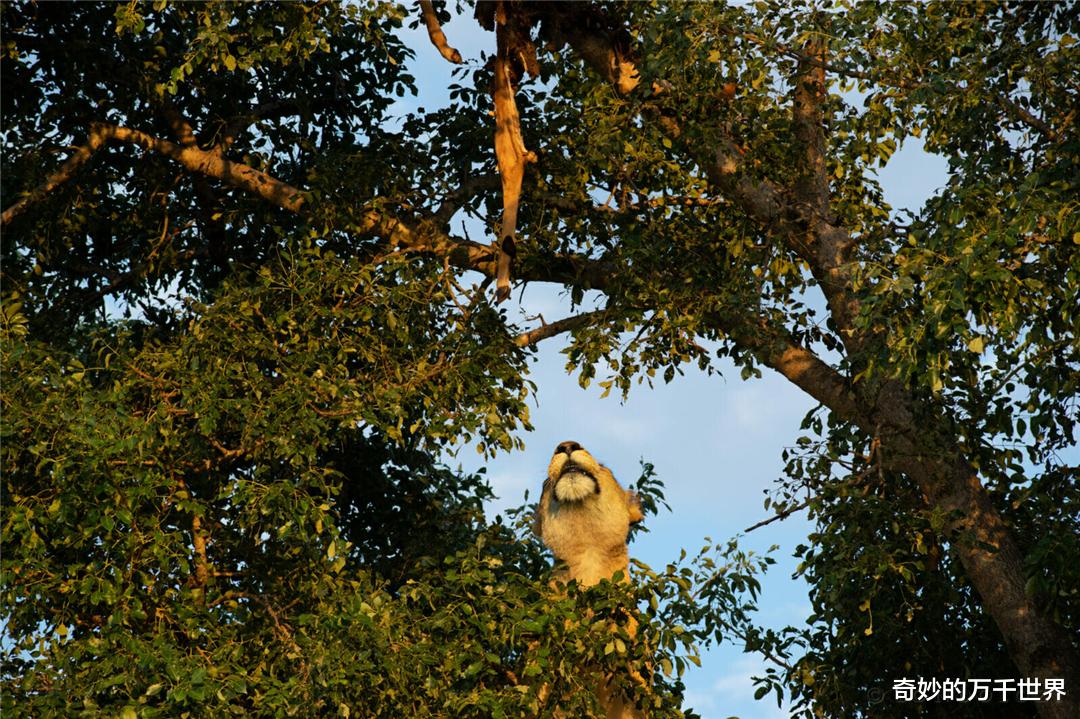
(871, 465)
(782, 515)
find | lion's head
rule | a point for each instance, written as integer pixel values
(584, 515)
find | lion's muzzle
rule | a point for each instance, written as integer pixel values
(575, 483)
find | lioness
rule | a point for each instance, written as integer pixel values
(584, 517)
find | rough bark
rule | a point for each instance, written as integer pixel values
(213, 227)
(991, 559)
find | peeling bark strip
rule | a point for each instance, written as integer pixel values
(435, 32)
(510, 151)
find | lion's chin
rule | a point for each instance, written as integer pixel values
(574, 487)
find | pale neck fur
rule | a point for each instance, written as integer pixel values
(590, 538)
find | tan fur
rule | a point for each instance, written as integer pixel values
(584, 517)
(585, 528)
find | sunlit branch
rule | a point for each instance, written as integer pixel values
(435, 32)
(66, 172)
(191, 157)
(558, 327)
(206, 198)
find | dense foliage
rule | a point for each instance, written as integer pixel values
(239, 331)
(243, 519)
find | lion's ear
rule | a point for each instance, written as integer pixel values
(633, 507)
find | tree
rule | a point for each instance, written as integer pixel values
(175, 475)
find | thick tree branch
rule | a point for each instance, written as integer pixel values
(802, 221)
(761, 199)
(1023, 115)
(435, 32)
(191, 158)
(764, 201)
(800, 225)
(832, 245)
(803, 224)
(558, 327)
(212, 164)
(808, 119)
(81, 156)
(399, 233)
(776, 348)
(919, 439)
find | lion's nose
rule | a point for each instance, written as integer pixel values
(567, 448)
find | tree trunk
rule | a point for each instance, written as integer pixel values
(986, 548)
